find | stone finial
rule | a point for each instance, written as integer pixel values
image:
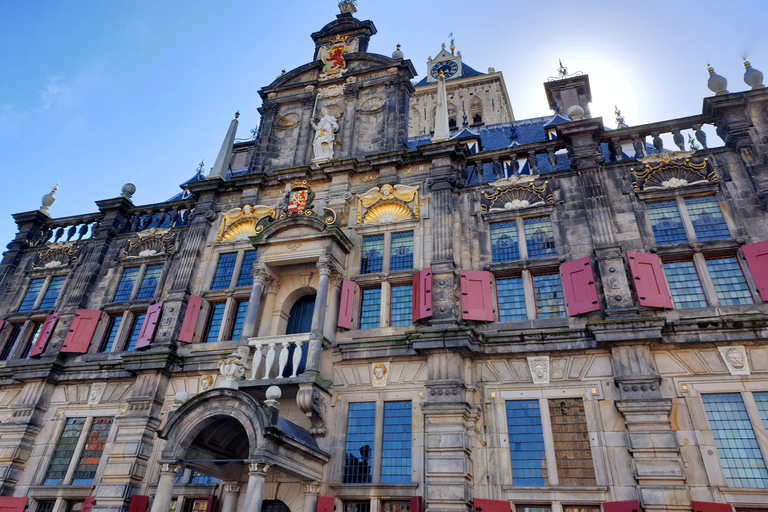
(397, 54)
(575, 113)
(49, 199)
(753, 77)
(348, 6)
(716, 83)
(128, 190)
(273, 395)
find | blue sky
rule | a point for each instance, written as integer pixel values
(94, 94)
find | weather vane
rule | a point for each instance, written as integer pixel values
(562, 73)
(619, 117)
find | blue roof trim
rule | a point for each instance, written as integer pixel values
(466, 72)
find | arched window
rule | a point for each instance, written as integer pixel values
(299, 321)
(274, 506)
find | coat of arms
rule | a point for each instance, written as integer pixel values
(332, 56)
(300, 197)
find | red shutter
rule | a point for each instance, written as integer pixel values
(476, 298)
(347, 305)
(88, 504)
(757, 259)
(8, 504)
(45, 335)
(189, 326)
(138, 503)
(706, 506)
(622, 506)
(422, 295)
(579, 284)
(326, 503)
(81, 331)
(211, 506)
(2, 323)
(650, 283)
(149, 326)
(491, 506)
(417, 504)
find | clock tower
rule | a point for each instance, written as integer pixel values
(445, 61)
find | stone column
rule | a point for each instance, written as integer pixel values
(229, 497)
(257, 474)
(164, 493)
(271, 287)
(311, 493)
(260, 276)
(318, 317)
(332, 316)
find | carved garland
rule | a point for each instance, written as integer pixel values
(388, 204)
(516, 197)
(155, 242)
(671, 170)
(240, 223)
(61, 256)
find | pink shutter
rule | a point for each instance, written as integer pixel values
(211, 505)
(622, 506)
(757, 259)
(706, 506)
(191, 317)
(476, 298)
(347, 305)
(325, 503)
(45, 335)
(81, 331)
(88, 504)
(491, 506)
(650, 283)
(579, 284)
(149, 326)
(417, 504)
(138, 503)
(8, 504)
(2, 323)
(422, 295)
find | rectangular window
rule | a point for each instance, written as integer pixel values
(740, 456)
(215, 319)
(685, 285)
(666, 222)
(707, 219)
(224, 271)
(581, 508)
(526, 443)
(504, 246)
(511, 297)
(239, 321)
(199, 478)
(396, 448)
(74, 506)
(570, 438)
(533, 508)
(45, 506)
(32, 341)
(91, 454)
(149, 283)
(31, 297)
(109, 337)
(730, 285)
(52, 293)
(401, 251)
(401, 305)
(396, 506)
(372, 259)
(761, 399)
(357, 506)
(358, 458)
(65, 449)
(539, 238)
(125, 288)
(246, 278)
(548, 291)
(12, 339)
(135, 332)
(370, 308)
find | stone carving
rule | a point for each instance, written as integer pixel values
(539, 367)
(735, 358)
(312, 402)
(331, 91)
(155, 241)
(388, 204)
(233, 368)
(63, 255)
(97, 390)
(516, 196)
(325, 129)
(380, 373)
(206, 383)
(671, 170)
(332, 56)
(239, 223)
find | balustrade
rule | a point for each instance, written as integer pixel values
(70, 229)
(158, 217)
(272, 354)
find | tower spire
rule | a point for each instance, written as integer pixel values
(220, 168)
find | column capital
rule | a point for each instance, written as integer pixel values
(232, 488)
(260, 274)
(325, 266)
(167, 467)
(336, 279)
(313, 488)
(273, 285)
(258, 468)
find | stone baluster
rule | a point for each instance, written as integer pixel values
(616, 148)
(638, 144)
(678, 138)
(257, 474)
(318, 317)
(256, 364)
(283, 361)
(270, 360)
(700, 135)
(296, 357)
(260, 276)
(332, 317)
(658, 144)
(164, 492)
(514, 166)
(271, 287)
(533, 163)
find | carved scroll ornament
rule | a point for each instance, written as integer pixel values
(516, 197)
(388, 204)
(671, 170)
(240, 223)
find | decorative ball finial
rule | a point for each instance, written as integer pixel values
(237, 114)
(49, 199)
(716, 83)
(273, 394)
(128, 190)
(753, 77)
(397, 54)
(575, 113)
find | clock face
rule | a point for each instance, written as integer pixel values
(448, 68)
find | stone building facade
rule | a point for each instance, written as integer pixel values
(535, 316)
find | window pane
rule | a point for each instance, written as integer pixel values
(729, 282)
(215, 318)
(357, 506)
(135, 332)
(91, 455)
(740, 456)
(396, 448)
(52, 293)
(401, 308)
(396, 506)
(707, 219)
(224, 271)
(685, 285)
(526, 443)
(199, 478)
(762, 406)
(32, 341)
(570, 438)
(539, 238)
(504, 245)
(372, 259)
(149, 283)
(237, 325)
(29, 299)
(45, 506)
(8, 348)
(548, 291)
(62, 454)
(74, 506)
(370, 308)
(401, 251)
(246, 278)
(358, 459)
(125, 287)
(582, 508)
(111, 334)
(666, 223)
(511, 299)
(533, 508)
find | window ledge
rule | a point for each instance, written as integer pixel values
(557, 493)
(531, 211)
(401, 225)
(38, 315)
(537, 265)
(664, 193)
(60, 491)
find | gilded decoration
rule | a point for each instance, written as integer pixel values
(388, 204)
(332, 56)
(57, 256)
(153, 242)
(240, 223)
(671, 170)
(516, 197)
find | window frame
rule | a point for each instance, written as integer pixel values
(47, 279)
(137, 284)
(237, 270)
(679, 198)
(529, 293)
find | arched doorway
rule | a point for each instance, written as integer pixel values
(274, 506)
(299, 321)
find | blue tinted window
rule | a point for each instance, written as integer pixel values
(125, 287)
(539, 238)
(504, 246)
(707, 219)
(224, 271)
(8, 348)
(372, 259)
(396, 448)
(740, 455)
(685, 285)
(62, 454)
(401, 307)
(761, 399)
(511, 299)
(246, 278)
(401, 251)
(526, 443)
(32, 341)
(112, 330)
(215, 319)
(237, 325)
(370, 308)
(548, 291)
(90, 457)
(729, 282)
(358, 457)
(149, 283)
(29, 299)
(666, 223)
(52, 293)
(137, 324)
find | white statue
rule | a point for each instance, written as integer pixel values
(324, 130)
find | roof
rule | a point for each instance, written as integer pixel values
(466, 72)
